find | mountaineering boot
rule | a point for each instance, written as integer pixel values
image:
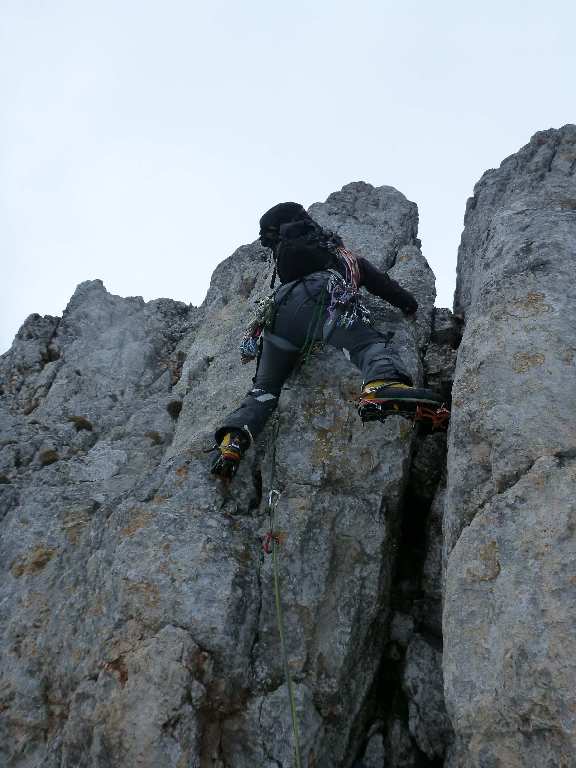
(396, 390)
(380, 399)
(230, 451)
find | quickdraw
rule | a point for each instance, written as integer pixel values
(272, 537)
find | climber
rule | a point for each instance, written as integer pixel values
(318, 300)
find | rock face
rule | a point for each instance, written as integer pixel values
(137, 614)
(509, 625)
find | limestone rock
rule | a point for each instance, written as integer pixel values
(430, 608)
(508, 622)
(423, 683)
(400, 749)
(510, 663)
(136, 604)
(374, 757)
(446, 328)
(440, 357)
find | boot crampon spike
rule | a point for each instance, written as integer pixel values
(380, 399)
(230, 451)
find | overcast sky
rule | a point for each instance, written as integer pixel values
(141, 141)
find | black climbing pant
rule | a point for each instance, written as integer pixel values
(298, 321)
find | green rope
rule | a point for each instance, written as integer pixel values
(272, 502)
(313, 328)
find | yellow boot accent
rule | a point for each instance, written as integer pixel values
(227, 451)
(226, 440)
(373, 386)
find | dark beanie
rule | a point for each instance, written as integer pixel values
(282, 214)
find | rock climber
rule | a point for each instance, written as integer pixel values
(318, 301)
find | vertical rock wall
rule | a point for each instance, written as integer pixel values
(136, 611)
(510, 536)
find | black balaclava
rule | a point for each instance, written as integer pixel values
(283, 213)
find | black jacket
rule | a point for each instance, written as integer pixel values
(304, 248)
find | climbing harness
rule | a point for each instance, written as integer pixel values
(271, 544)
(340, 300)
(263, 320)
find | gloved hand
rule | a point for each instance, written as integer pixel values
(410, 308)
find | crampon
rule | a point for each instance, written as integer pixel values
(225, 466)
(433, 416)
(230, 452)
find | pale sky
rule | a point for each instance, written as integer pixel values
(140, 142)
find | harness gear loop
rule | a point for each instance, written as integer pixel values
(271, 543)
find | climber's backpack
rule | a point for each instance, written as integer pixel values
(302, 249)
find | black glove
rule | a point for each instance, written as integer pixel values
(410, 308)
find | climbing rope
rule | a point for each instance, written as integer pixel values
(271, 544)
(272, 541)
